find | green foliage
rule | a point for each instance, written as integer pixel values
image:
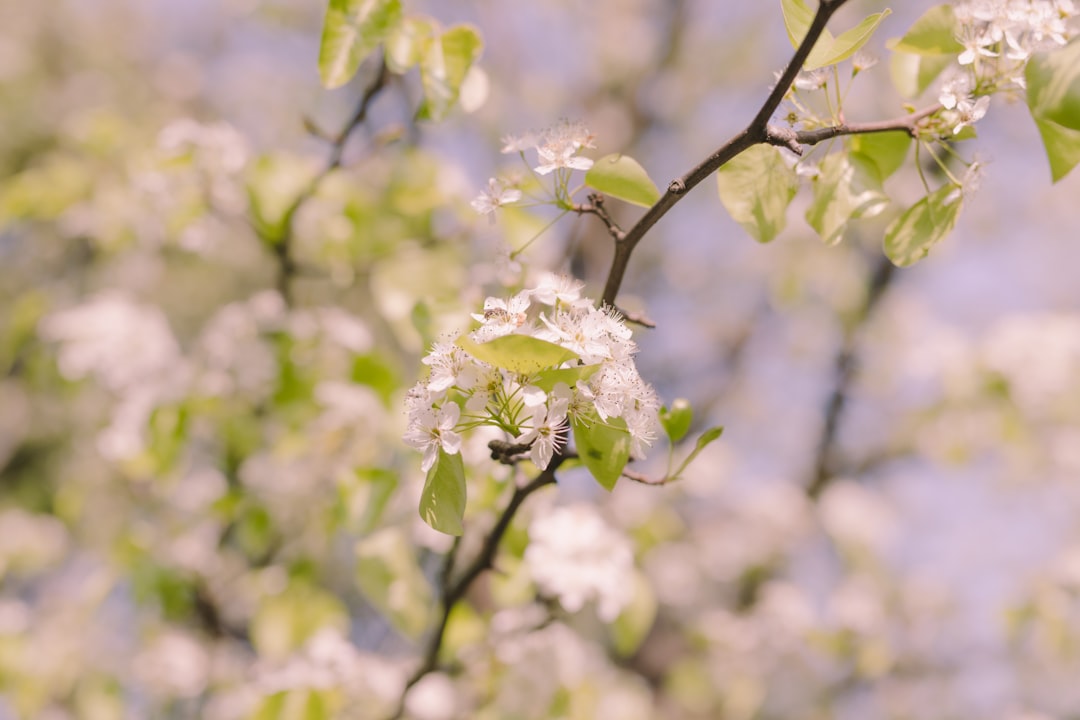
(518, 353)
(546, 380)
(932, 34)
(887, 151)
(677, 419)
(353, 30)
(848, 187)
(604, 448)
(910, 237)
(622, 177)
(1053, 83)
(284, 622)
(828, 50)
(443, 68)
(372, 370)
(407, 43)
(912, 74)
(704, 440)
(442, 501)
(388, 575)
(633, 624)
(756, 187)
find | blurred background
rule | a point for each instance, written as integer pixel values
(205, 506)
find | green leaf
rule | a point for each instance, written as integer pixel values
(707, 438)
(932, 34)
(910, 237)
(633, 624)
(442, 501)
(912, 74)
(352, 30)
(518, 353)
(828, 50)
(1053, 86)
(887, 151)
(848, 187)
(1062, 147)
(408, 42)
(548, 379)
(375, 372)
(756, 187)
(846, 44)
(622, 177)
(676, 419)
(390, 577)
(443, 67)
(604, 448)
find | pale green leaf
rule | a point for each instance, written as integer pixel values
(518, 353)
(932, 34)
(1062, 147)
(910, 237)
(604, 448)
(912, 74)
(846, 44)
(797, 19)
(848, 187)
(443, 67)
(677, 419)
(391, 579)
(1053, 86)
(886, 151)
(707, 438)
(622, 177)
(408, 41)
(351, 32)
(442, 501)
(756, 187)
(546, 380)
(284, 622)
(635, 621)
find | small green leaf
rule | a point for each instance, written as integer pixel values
(407, 43)
(887, 150)
(375, 372)
(1053, 86)
(633, 624)
(622, 177)
(518, 353)
(910, 237)
(677, 419)
(828, 50)
(546, 380)
(1062, 147)
(442, 501)
(849, 187)
(932, 34)
(443, 67)
(846, 44)
(352, 30)
(706, 439)
(756, 187)
(604, 448)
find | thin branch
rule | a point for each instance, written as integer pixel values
(845, 367)
(288, 268)
(595, 206)
(756, 132)
(794, 139)
(647, 480)
(455, 591)
(637, 318)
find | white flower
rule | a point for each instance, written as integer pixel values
(559, 145)
(498, 193)
(450, 366)
(558, 288)
(574, 555)
(548, 432)
(430, 430)
(501, 317)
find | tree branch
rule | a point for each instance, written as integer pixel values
(288, 268)
(794, 139)
(756, 132)
(455, 591)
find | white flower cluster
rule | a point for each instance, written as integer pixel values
(556, 148)
(999, 36)
(576, 556)
(462, 392)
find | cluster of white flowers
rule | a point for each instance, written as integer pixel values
(463, 392)
(999, 36)
(557, 148)
(576, 556)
